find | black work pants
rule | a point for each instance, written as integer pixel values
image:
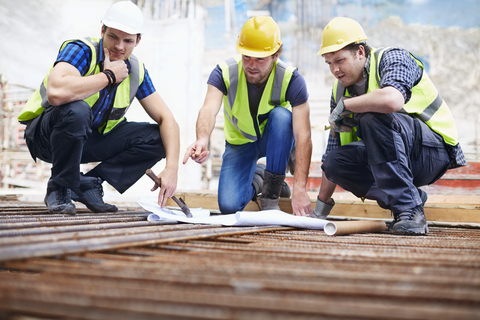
(64, 137)
(393, 158)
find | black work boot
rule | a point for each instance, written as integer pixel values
(91, 195)
(258, 180)
(423, 195)
(272, 186)
(58, 199)
(285, 191)
(411, 222)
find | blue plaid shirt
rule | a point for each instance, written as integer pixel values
(79, 55)
(399, 70)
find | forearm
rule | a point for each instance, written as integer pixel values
(68, 88)
(205, 123)
(303, 154)
(170, 133)
(384, 100)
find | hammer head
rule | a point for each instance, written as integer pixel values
(185, 209)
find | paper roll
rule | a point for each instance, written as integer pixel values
(347, 227)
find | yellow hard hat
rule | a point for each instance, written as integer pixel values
(124, 16)
(339, 33)
(259, 37)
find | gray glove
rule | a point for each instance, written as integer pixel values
(339, 118)
(322, 209)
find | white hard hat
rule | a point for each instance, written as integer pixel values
(124, 16)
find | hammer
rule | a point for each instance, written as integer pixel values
(180, 202)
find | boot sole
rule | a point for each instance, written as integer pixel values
(412, 231)
(68, 211)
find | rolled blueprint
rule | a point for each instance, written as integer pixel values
(347, 227)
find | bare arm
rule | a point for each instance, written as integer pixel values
(384, 100)
(301, 203)
(66, 84)
(170, 132)
(198, 151)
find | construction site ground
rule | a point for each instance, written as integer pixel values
(121, 266)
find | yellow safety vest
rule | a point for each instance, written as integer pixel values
(124, 95)
(425, 102)
(239, 127)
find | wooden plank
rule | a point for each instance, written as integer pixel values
(441, 208)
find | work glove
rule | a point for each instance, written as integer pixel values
(340, 120)
(322, 209)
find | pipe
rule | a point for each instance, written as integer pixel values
(348, 227)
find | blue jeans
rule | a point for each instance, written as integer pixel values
(235, 189)
(394, 157)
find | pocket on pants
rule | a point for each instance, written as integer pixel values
(430, 166)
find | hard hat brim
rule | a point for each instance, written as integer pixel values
(121, 27)
(257, 54)
(337, 47)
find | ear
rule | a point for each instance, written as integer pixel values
(361, 52)
(275, 57)
(139, 37)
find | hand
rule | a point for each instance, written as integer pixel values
(168, 180)
(118, 67)
(339, 118)
(198, 151)
(301, 203)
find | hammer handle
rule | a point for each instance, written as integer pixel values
(154, 177)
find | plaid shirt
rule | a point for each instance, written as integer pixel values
(399, 70)
(79, 55)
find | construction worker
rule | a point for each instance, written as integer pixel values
(266, 113)
(77, 116)
(391, 132)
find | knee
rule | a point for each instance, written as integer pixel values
(79, 109)
(281, 116)
(78, 113)
(328, 165)
(74, 119)
(228, 205)
(374, 120)
(153, 138)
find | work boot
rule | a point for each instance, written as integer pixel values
(423, 195)
(411, 222)
(258, 183)
(58, 199)
(272, 186)
(91, 195)
(285, 191)
(258, 180)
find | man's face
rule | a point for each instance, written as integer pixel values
(346, 66)
(120, 45)
(257, 70)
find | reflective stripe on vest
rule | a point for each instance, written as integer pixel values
(124, 95)
(239, 125)
(425, 101)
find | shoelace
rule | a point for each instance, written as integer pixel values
(98, 189)
(61, 196)
(405, 216)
